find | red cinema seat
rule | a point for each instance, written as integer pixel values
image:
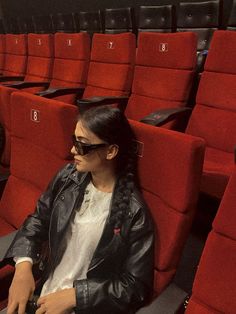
(170, 183)
(164, 71)
(215, 281)
(2, 51)
(39, 68)
(15, 55)
(111, 65)
(70, 69)
(214, 115)
(41, 143)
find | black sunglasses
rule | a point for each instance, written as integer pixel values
(83, 148)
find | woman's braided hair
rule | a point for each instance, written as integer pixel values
(111, 126)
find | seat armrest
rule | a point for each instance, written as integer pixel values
(20, 85)
(162, 116)
(60, 91)
(168, 302)
(11, 78)
(5, 242)
(87, 103)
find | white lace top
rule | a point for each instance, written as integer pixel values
(86, 232)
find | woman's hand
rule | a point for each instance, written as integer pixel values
(59, 302)
(21, 289)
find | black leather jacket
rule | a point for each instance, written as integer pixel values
(120, 275)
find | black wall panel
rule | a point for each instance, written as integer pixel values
(24, 8)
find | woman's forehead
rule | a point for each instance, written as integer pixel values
(82, 131)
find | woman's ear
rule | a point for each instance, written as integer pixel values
(112, 151)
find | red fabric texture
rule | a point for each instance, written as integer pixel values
(224, 222)
(18, 201)
(170, 184)
(113, 48)
(111, 65)
(215, 281)
(102, 75)
(16, 44)
(39, 144)
(2, 51)
(218, 166)
(16, 54)
(214, 285)
(222, 53)
(72, 46)
(14, 65)
(214, 115)
(179, 51)
(40, 45)
(40, 57)
(195, 307)
(162, 79)
(57, 122)
(72, 53)
(39, 69)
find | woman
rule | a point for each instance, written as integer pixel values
(98, 229)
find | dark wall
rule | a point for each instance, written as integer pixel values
(24, 8)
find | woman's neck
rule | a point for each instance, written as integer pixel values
(104, 180)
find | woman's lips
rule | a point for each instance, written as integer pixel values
(77, 161)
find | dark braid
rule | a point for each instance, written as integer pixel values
(110, 125)
(125, 187)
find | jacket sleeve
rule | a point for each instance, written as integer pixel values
(34, 231)
(133, 286)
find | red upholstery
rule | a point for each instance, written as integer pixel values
(214, 116)
(39, 68)
(111, 65)
(2, 51)
(16, 55)
(215, 282)
(72, 53)
(170, 184)
(163, 72)
(40, 57)
(41, 143)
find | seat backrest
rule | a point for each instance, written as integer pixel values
(16, 54)
(170, 184)
(215, 281)
(90, 22)
(164, 71)
(202, 18)
(40, 145)
(72, 53)
(119, 20)
(214, 115)
(26, 25)
(43, 24)
(158, 18)
(12, 25)
(2, 51)
(64, 22)
(111, 65)
(40, 57)
(231, 24)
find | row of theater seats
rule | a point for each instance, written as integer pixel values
(200, 17)
(158, 78)
(214, 284)
(170, 162)
(41, 139)
(169, 182)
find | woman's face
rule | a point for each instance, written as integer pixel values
(95, 160)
